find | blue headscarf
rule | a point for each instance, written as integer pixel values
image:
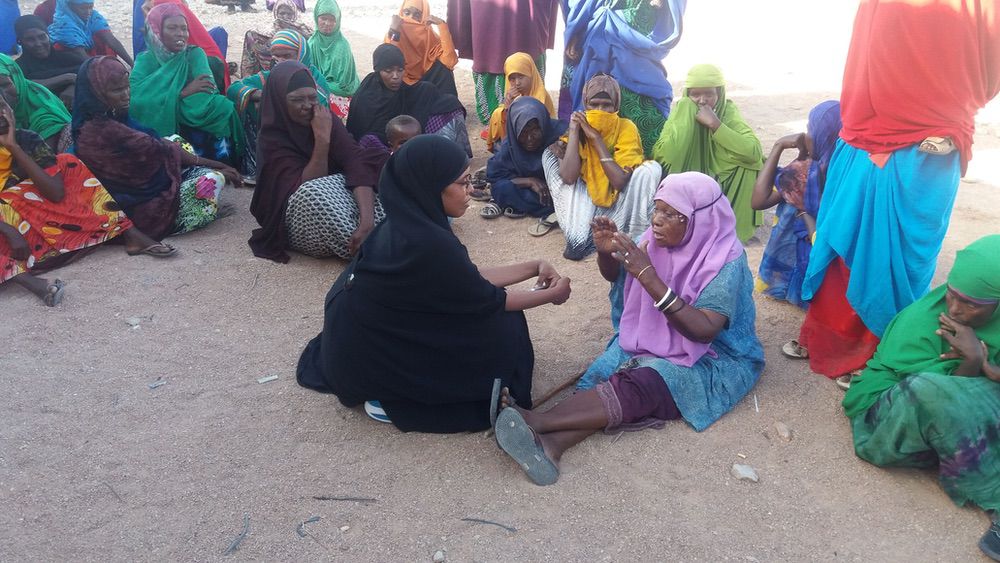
(68, 29)
(9, 11)
(513, 161)
(824, 128)
(610, 45)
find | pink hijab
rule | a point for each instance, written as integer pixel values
(709, 244)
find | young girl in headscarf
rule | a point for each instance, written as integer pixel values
(429, 56)
(164, 188)
(515, 172)
(523, 79)
(601, 171)
(173, 91)
(706, 133)
(686, 346)
(77, 26)
(332, 55)
(383, 95)
(796, 190)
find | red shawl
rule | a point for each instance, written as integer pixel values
(919, 68)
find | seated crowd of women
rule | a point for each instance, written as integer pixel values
(96, 147)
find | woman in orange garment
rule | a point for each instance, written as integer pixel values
(430, 55)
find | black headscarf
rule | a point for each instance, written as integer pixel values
(284, 148)
(58, 62)
(373, 105)
(411, 322)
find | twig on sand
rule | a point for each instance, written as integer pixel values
(511, 529)
(620, 434)
(239, 539)
(301, 530)
(256, 278)
(365, 500)
(114, 492)
(545, 398)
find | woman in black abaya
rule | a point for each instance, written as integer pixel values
(413, 323)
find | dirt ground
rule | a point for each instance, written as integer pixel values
(97, 465)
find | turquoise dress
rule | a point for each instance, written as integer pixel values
(713, 385)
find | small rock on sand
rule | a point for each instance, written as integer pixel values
(439, 556)
(744, 472)
(783, 431)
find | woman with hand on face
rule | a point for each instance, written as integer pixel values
(598, 171)
(515, 171)
(796, 189)
(164, 188)
(686, 347)
(930, 396)
(314, 184)
(50, 206)
(430, 56)
(173, 91)
(412, 327)
(706, 133)
(523, 79)
(384, 94)
(286, 45)
(332, 55)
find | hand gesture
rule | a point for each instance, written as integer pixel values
(200, 85)
(8, 139)
(706, 116)
(795, 198)
(604, 230)
(794, 141)
(560, 291)
(397, 22)
(585, 127)
(547, 276)
(965, 345)
(511, 95)
(633, 257)
(434, 20)
(322, 122)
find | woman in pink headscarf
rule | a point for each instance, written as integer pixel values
(682, 302)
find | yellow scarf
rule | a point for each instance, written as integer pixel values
(621, 136)
(6, 162)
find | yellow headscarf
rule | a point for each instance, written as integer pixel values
(519, 63)
(620, 135)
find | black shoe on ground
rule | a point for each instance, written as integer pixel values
(990, 543)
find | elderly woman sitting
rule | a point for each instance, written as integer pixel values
(930, 397)
(686, 347)
(600, 172)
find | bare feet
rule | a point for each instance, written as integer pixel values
(50, 293)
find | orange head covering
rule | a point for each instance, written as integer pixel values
(521, 63)
(418, 42)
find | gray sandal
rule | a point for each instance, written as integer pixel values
(519, 441)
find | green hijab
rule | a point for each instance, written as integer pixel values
(37, 108)
(732, 155)
(910, 346)
(157, 80)
(332, 53)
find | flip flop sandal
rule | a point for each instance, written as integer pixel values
(375, 412)
(490, 211)
(541, 228)
(792, 349)
(155, 251)
(519, 441)
(495, 401)
(844, 381)
(55, 294)
(512, 214)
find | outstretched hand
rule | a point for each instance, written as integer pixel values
(634, 257)
(604, 230)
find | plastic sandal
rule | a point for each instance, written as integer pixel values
(792, 349)
(519, 441)
(375, 412)
(490, 211)
(511, 213)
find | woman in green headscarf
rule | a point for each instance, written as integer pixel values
(331, 52)
(173, 91)
(930, 397)
(34, 105)
(706, 133)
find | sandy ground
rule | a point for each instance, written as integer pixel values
(96, 465)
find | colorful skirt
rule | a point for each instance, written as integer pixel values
(86, 216)
(322, 215)
(931, 420)
(574, 208)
